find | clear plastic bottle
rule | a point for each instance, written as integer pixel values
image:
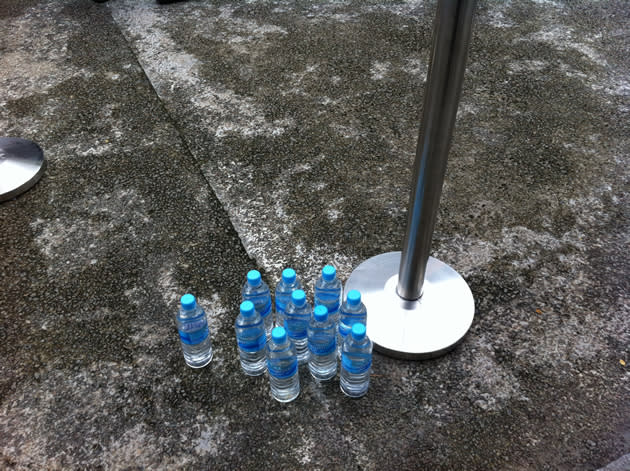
(285, 287)
(351, 312)
(356, 361)
(257, 291)
(328, 292)
(251, 340)
(282, 366)
(194, 334)
(322, 345)
(296, 318)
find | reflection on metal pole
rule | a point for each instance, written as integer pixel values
(451, 37)
(22, 164)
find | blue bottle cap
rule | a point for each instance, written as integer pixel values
(188, 302)
(298, 297)
(329, 273)
(354, 297)
(358, 331)
(253, 277)
(247, 308)
(288, 275)
(279, 335)
(320, 313)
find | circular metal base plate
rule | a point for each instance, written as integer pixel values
(420, 329)
(21, 165)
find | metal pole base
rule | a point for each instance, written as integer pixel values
(22, 164)
(425, 328)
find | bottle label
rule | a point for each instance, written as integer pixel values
(280, 306)
(252, 344)
(344, 329)
(193, 331)
(266, 309)
(281, 369)
(320, 344)
(331, 304)
(357, 363)
(296, 329)
(322, 349)
(262, 303)
(345, 325)
(193, 338)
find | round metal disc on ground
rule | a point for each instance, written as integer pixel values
(21, 166)
(420, 329)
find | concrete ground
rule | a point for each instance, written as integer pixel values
(189, 143)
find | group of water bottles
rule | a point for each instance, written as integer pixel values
(302, 334)
(299, 334)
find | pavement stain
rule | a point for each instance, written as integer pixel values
(556, 152)
(303, 75)
(93, 219)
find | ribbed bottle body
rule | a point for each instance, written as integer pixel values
(261, 297)
(282, 366)
(322, 346)
(328, 293)
(284, 290)
(296, 321)
(251, 341)
(348, 316)
(194, 336)
(356, 362)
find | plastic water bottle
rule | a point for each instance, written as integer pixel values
(328, 292)
(251, 340)
(296, 318)
(257, 291)
(282, 366)
(285, 287)
(322, 345)
(351, 312)
(356, 361)
(194, 335)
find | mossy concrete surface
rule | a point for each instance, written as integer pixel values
(189, 143)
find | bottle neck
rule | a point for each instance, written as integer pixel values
(356, 308)
(190, 313)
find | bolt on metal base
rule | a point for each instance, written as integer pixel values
(424, 328)
(22, 164)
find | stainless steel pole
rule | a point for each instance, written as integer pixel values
(451, 37)
(417, 306)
